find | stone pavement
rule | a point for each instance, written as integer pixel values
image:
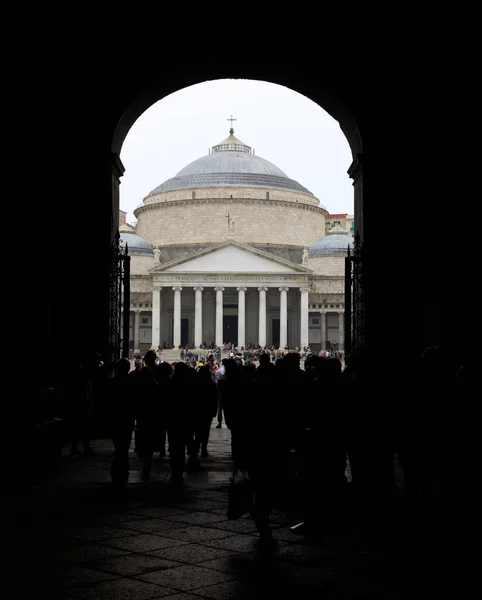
(76, 539)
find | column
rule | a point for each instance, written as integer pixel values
(323, 329)
(304, 317)
(341, 330)
(176, 334)
(198, 317)
(283, 317)
(137, 319)
(219, 316)
(241, 316)
(262, 316)
(156, 318)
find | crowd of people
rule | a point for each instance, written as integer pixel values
(249, 353)
(161, 402)
(313, 421)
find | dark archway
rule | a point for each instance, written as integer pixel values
(400, 82)
(230, 329)
(401, 89)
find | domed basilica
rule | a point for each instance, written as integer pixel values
(232, 250)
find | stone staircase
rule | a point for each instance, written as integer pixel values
(172, 355)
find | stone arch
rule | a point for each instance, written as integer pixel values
(401, 107)
(322, 95)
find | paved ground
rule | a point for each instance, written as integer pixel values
(76, 539)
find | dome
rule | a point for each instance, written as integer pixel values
(230, 163)
(336, 241)
(135, 244)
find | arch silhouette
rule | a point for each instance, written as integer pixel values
(325, 97)
(384, 114)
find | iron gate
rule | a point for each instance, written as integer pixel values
(354, 299)
(119, 304)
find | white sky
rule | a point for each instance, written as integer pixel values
(283, 127)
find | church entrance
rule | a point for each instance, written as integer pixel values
(184, 331)
(230, 329)
(275, 332)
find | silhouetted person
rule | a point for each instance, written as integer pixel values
(371, 424)
(179, 419)
(204, 405)
(150, 360)
(163, 376)
(259, 425)
(314, 366)
(322, 449)
(121, 418)
(148, 416)
(266, 370)
(78, 390)
(220, 376)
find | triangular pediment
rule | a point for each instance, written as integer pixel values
(231, 257)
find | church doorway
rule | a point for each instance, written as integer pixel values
(275, 332)
(184, 331)
(230, 329)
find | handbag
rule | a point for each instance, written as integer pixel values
(240, 495)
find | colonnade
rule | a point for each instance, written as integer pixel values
(198, 315)
(262, 317)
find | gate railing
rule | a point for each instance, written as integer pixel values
(354, 299)
(119, 304)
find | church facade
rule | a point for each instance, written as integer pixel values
(231, 250)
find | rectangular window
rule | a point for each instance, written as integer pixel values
(194, 195)
(267, 195)
(316, 321)
(144, 320)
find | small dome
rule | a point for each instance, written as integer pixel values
(232, 143)
(135, 244)
(336, 241)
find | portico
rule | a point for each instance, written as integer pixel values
(265, 293)
(255, 314)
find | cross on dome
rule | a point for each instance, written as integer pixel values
(231, 131)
